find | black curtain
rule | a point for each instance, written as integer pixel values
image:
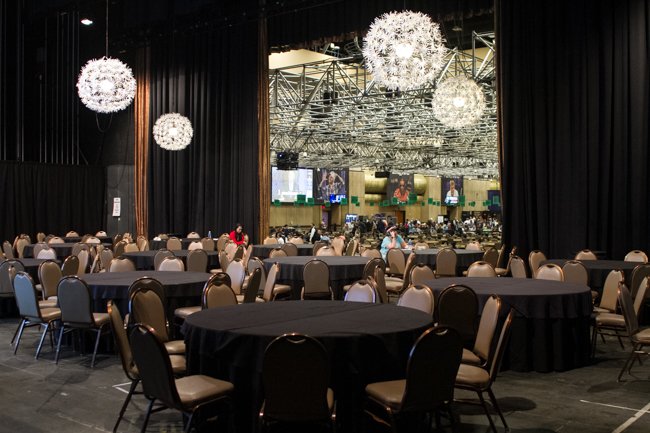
(574, 106)
(209, 76)
(50, 198)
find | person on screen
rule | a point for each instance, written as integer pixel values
(392, 240)
(402, 191)
(453, 192)
(238, 236)
(331, 183)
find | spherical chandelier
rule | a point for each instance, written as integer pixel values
(458, 102)
(173, 131)
(106, 85)
(404, 50)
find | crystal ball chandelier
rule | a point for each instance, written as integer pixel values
(173, 131)
(106, 85)
(458, 102)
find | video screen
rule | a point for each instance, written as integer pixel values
(330, 183)
(336, 198)
(452, 189)
(400, 186)
(287, 185)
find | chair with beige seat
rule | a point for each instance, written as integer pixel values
(20, 245)
(174, 244)
(70, 266)
(395, 285)
(491, 256)
(239, 253)
(549, 271)
(237, 273)
(197, 261)
(418, 296)
(518, 267)
(395, 262)
(428, 387)
(368, 270)
(609, 295)
(46, 253)
(338, 244)
(535, 259)
(121, 264)
(502, 272)
(195, 245)
(208, 244)
(325, 251)
(290, 249)
(8, 250)
(216, 293)
(160, 256)
(76, 304)
(636, 256)
(119, 248)
(222, 241)
(487, 329)
(189, 395)
(639, 273)
(49, 274)
(269, 240)
(604, 321)
(352, 248)
(420, 274)
(253, 287)
(230, 248)
(56, 240)
(278, 252)
(296, 240)
(105, 258)
(481, 269)
(83, 256)
(193, 235)
(272, 289)
(8, 270)
(474, 246)
(372, 253)
(76, 248)
(131, 248)
(316, 279)
(575, 272)
(36, 250)
(638, 337)
(378, 281)
(585, 255)
(446, 262)
(71, 234)
(361, 291)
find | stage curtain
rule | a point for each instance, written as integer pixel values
(573, 82)
(141, 143)
(264, 138)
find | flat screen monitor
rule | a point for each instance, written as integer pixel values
(287, 185)
(452, 190)
(336, 198)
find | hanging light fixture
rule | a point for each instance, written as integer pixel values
(458, 102)
(106, 85)
(173, 131)
(404, 50)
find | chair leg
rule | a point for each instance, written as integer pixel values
(147, 415)
(19, 333)
(58, 344)
(620, 341)
(99, 333)
(627, 366)
(493, 399)
(594, 340)
(487, 411)
(16, 332)
(40, 343)
(188, 426)
(134, 384)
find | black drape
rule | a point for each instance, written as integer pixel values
(209, 76)
(574, 105)
(50, 198)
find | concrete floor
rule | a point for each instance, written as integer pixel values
(39, 396)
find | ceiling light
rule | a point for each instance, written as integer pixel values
(106, 85)
(173, 131)
(404, 50)
(458, 102)
(86, 21)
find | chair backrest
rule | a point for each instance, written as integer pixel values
(254, 284)
(147, 305)
(494, 362)
(38, 247)
(501, 257)
(636, 256)
(193, 235)
(296, 240)
(269, 240)
(101, 233)
(208, 244)
(295, 375)
(83, 261)
(131, 248)
(121, 340)
(446, 261)
(372, 253)
(361, 291)
(173, 264)
(255, 263)
(317, 246)
(75, 302)
(481, 269)
(217, 292)
(270, 282)
(8, 250)
(70, 266)
(154, 366)
(121, 264)
(316, 277)
(290, 249)
(644, 288)
(76, 248)
(239, 252)
(487, 327)
(585, 255)
(224, 261)
(105, 258)
(458, 308)
(609, 295)
(421, 273)
(8, 270)
(142, 243)
(230, 248)
(49, 275)
(160, 256)
(369, 268)
(638, 274)
(517, 267)
(431, 370)
(396, 261)
(351, 249)
(575, 272)
(197, 261)
(46, 254)
(379, 281)
(278, 252)
(40, 237)
(535, 258)
(325, 251)
(627, 308)
(195, 245)
(72, 233)
(417, 296)
(421, 246)
(20, 246)
(56, 240)
(491, 256)
(473, 246)
(26, 299)
(338, 244)
(222, 241)
(174, 244)
(550, 271)
(237, 273)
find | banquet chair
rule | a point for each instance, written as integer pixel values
(446, 262)
(500, 257)
(46, 254)
(269, 240)
(8, 250)
(639, 337)
(197, 261)
(317, 246)
(254, 284)
(372, 253)
(208, 244)
(105, 258)
(473, 246)
(239, 253)
(126, 357)
(20, 246)
(517, 267)
(142, 243)
(296, 240)
(70, 266)
(76, 248)
(338, 244)
(36, 250)
(49, 274)
(585, 255)
(248, 253)
(324, 251)
(117, 239)
(639, 272)
(428, 387)
(272, 289)
(575, 272)
(290, 249)
(174, 244)
(230, 248)
(487, 328)
(195, 245)
(30, 312)
(224, 261)
(121, 265)
(76, 305)
(316, 279)
(101, 233)
(119, 248)
(549, 271)
(40, 237)
(160, 256)
(458, 308)
(352, 247)
(609, 296)
(421, 273)
(502, 272)
(83, 261)
(481, 269)
(361, 291)
(417, 296)
(368, 270)
(173, 264)
(193, 235)
(216, 292)
(254, 263)
(636, 256)
(480, 379)
(421, 246)
(295, 377)
(222, 241)
(277, 252)
(189, 394)
(147, 306)
(535, 258)
(237, 273)
(71, 234)
(395, 285)
(378, 282)
(395, 262)
(491, 256)
(56, 240)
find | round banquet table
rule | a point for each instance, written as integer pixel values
(263, 251)
(182, 289)
(365, 343)
(428, 257)
(106, 240)
(550, 329)
(62, 250)
(143, 260)
(158, 244)
(599, 269)
(343, 270)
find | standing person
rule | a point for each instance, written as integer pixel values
(238, 235)
(312, 232)
(392, 240)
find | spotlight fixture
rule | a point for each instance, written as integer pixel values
(87, 21)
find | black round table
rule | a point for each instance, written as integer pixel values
(158, 244)
(263, 251)
(550, 330)
(62, 250)
(343, 270)
(428, 257)
(599, 269)
(365, 343)
(144, 260)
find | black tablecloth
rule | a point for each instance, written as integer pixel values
(365, 343)
(343, 270)
(428, 257)
(62, 250)
(144, 260)
(550, 330)
(106, 240)
(263, 251)
(599, 269)
(185, 242)
(31, 266)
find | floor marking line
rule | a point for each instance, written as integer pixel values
(634, 418)
(615, 406)
(120, 389)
